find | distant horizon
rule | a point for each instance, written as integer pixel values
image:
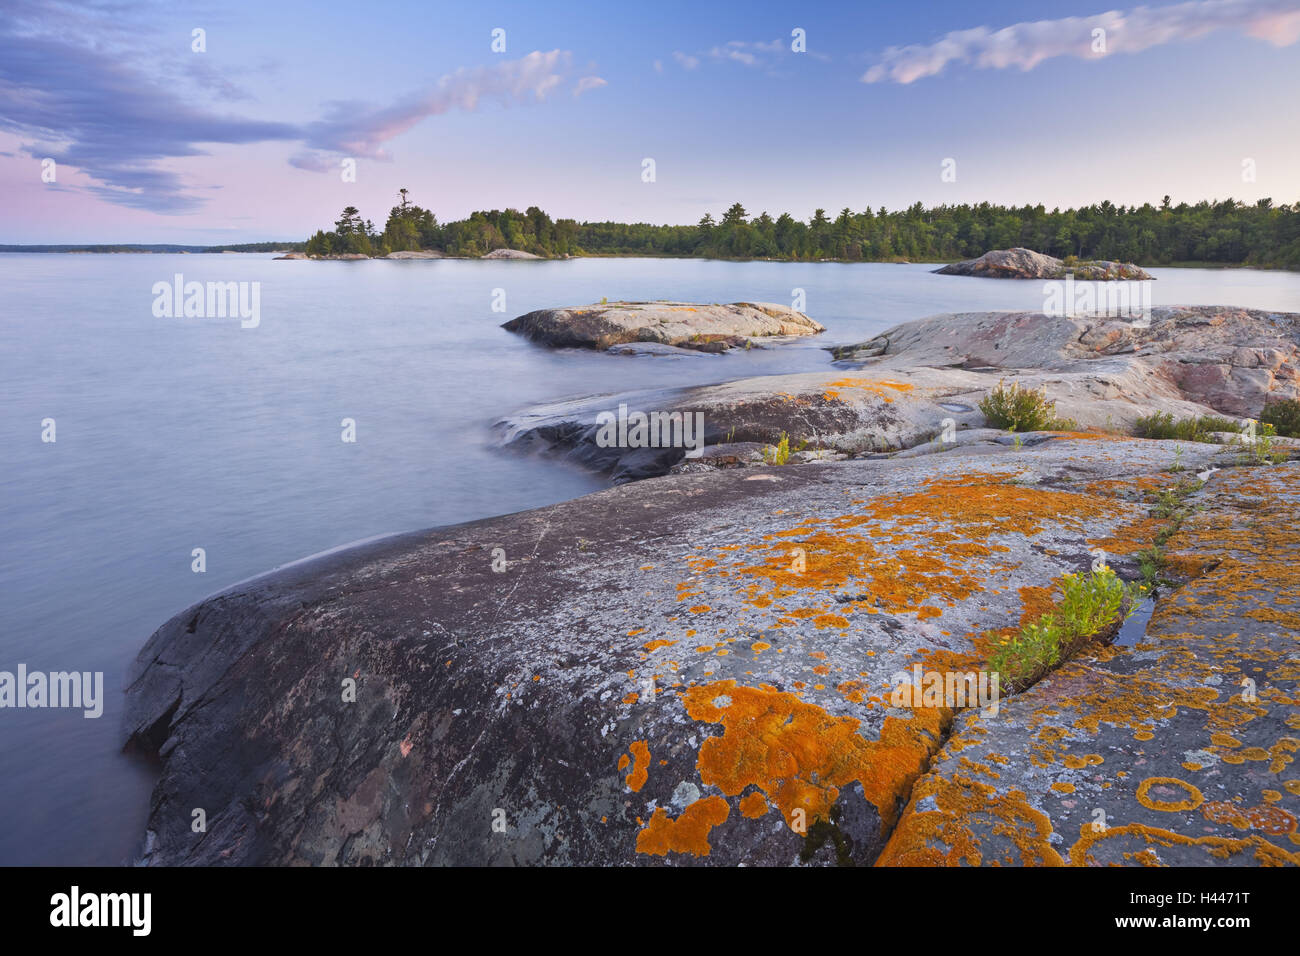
(830, 211)
(215, 124)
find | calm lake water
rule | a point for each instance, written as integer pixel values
(176, 434)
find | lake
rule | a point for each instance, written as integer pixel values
(174, 434)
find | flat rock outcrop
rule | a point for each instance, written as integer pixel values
(709, 328)
(694, 670)
(917, 378)
(509, 254)
(1021, 263)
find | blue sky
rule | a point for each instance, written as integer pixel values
(155, 142)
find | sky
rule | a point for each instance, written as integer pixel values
(241, 132)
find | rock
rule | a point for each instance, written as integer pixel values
(509, 254)
(1175, 752)
(1101, 373)
(860, 352)
(709, 328)
(1226, 359)
(726, 455)
(1020, 263)
(423, 254)
(657, 348)
(695, 669)
(294, 255)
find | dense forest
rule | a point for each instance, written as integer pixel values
(1227, 232)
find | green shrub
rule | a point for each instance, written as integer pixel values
(780, 454)
(1284, 416)
(1090, 603)
(1020, 409)
(1163, 425)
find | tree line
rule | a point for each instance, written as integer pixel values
(1228, 232)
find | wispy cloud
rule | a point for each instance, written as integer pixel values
(757, 54)
(588, 83)
(1027, 44)
(89, 110)
(361, 130)
(81, 98)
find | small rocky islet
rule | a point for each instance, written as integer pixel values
(698, 669)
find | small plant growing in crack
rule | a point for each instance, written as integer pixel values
(779, 454)
(1090, 604)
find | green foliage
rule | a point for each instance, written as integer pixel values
(1284, 416)
(1020, 410)
(1163, 425)
(1171, 506)
(1090, 603)
(1262, 450)
(1227, 232)
(780, 454)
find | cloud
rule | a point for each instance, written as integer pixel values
(589, 83)
(81, 97)
(1027, 44)
(687, 61)
(89, 110)
(357, 129)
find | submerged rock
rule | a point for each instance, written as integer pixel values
(1021, 263)
(709, 328)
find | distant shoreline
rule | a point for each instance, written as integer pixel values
(152, 249)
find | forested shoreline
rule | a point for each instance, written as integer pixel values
(1227, 232)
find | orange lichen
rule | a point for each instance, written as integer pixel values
(1219, 848)
(831, 390)
(800, 756)
(1191, 801)
(753, 805)
(944, 836)
(640, 768)
(689, 833)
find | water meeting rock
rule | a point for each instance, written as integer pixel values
(1021, 263)
(708, 328)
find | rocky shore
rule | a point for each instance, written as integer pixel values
(1022, 263)
(688, 325)
(703, 668)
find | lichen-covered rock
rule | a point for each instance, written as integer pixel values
(1178, 751)
(1021, 263)
(692, 670)
(709, 328)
